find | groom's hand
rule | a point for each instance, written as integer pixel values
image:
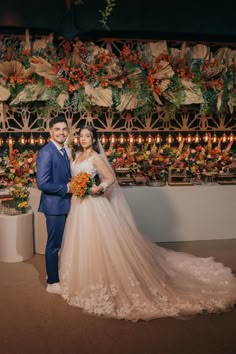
(68, 188)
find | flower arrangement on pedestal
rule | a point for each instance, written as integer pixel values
(123, 159)
(19, 173)
(20, 195)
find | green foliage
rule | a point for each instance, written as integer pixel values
(210, 100)
(177, 91)
(195, 66)
(107, 13)
(79, 101)
(115, 97)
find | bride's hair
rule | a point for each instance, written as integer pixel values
(94, 137)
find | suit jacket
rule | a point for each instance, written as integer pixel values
(53, 174)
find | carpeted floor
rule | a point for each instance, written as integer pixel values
(35, 322)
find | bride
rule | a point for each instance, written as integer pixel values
(107, 268)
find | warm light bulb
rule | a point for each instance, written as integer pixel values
(32, 140)
(179, 138)
(22, 140)
(76, 140)
(189, 138)
(231, 137)
(112, 139)
(1, 141)
(158, 139)
(103, 139)
(206, 137)
(139, 139)
(130, 139)
(10, 141)
(169, 139)
(214, 138)
(149, 139)
(121, 139)
(197, 138)
(41, 140)
(224, 138)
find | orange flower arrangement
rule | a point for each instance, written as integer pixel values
(81, 184)
(20, 167)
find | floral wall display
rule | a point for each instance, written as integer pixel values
(116, 85)
(52, 74)
(156, 105)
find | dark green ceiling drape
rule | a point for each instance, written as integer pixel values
(173, 19)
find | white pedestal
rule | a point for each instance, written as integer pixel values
(16, 237)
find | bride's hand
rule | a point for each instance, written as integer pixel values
(94, 190)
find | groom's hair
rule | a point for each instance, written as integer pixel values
(59, 119)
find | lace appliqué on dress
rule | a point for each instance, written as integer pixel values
(106, 300)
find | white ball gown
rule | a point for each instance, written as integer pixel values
(107, 268)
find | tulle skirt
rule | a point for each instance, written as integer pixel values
(107, 268)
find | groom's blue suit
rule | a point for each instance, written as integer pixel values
(53, 175)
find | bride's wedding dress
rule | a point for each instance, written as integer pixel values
(107, 268)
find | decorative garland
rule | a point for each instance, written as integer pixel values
(83, 75)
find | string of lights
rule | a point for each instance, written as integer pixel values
(124, 138)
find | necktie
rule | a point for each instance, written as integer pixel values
(63, 152)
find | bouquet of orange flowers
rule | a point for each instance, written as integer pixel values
(81, 184)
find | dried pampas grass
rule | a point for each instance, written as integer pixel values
(4, 93)
(14, 68)
(43, 68)
(99, 96)
(128, 102)
(31, 92)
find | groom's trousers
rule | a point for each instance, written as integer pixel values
(55, 230)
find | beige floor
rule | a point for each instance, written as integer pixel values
(33, 321)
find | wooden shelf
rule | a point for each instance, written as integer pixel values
(5, 197)
(124, 181)
(178, 176)
(179, 179)
(226, 176)
(139, 179)
(184, 184)
(227, 182)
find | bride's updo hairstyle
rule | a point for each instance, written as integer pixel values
(94, 136)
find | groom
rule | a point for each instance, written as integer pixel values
(53, 176)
